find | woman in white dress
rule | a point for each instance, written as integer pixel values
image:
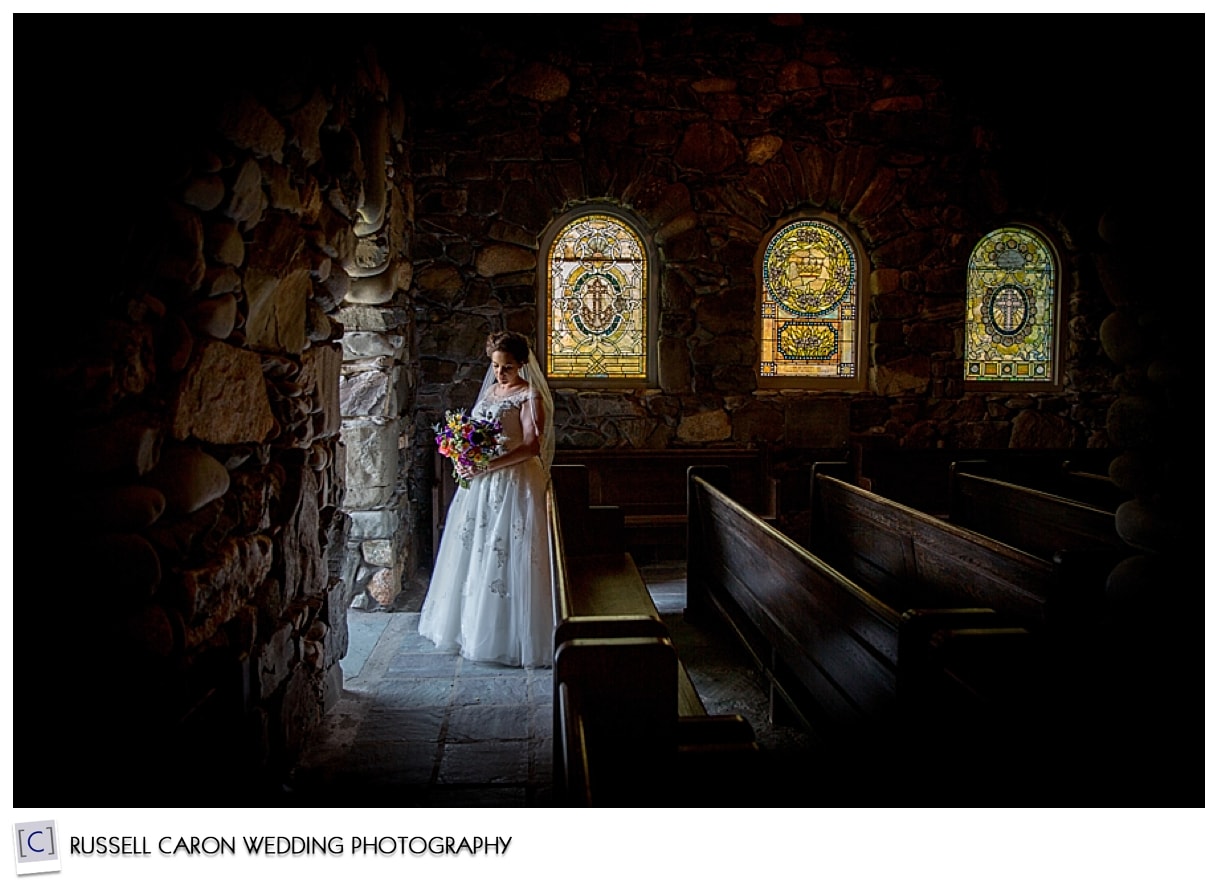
(491, 592)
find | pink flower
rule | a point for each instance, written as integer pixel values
(469, 442)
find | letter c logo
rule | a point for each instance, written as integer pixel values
(29, 841)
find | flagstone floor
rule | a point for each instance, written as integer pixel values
(416, 727)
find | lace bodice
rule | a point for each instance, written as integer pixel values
(507, 411)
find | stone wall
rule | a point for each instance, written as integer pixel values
(711, 130)
(222, 424)
(711, 134)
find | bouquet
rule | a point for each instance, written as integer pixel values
(468, 441)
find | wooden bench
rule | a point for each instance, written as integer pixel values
(1042, 523)
(895, 688)
(1079, 540)
(1090, 682)
(629, 725)
(1086, 482)
(648, 486)
(920, 477)
(895, 550)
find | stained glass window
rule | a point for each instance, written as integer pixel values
(597, 293)
(1010, 331)
(810, 316)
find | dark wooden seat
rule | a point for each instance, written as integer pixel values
(1037, 521)
(914, 684)
(1079, 540)
(648, 487)
(920, 477)
(910, 557)
(630, 727)
(607, 597)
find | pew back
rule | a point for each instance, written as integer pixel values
(920, 477)
(851, 666)
(622, 698)
(909, 558)
(1036, 521)
(648, 488)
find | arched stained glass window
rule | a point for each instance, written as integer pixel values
(1011, 327)
(598, 323)
(811, 321)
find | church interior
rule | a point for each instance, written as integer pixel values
(279, 243)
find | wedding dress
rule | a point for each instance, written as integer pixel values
(491, 593)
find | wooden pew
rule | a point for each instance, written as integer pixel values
(1079, 540)
(1068, 478)
(1059, 597)
(629, 725)
(920, 477)
(896, 550)
(1037, 521)
(648, 486)
(1086, 482)
(894, 688)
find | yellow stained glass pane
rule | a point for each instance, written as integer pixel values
(597, 301)
(1009, 329)
(809, 308)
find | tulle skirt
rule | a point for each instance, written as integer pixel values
(491, 593)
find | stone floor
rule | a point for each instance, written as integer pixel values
(416, 727)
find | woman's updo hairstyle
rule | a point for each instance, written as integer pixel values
(515, 345)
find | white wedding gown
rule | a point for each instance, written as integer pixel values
(491, 594)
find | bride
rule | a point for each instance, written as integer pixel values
(491, 594)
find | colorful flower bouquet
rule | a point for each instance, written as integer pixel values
(468, 441)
